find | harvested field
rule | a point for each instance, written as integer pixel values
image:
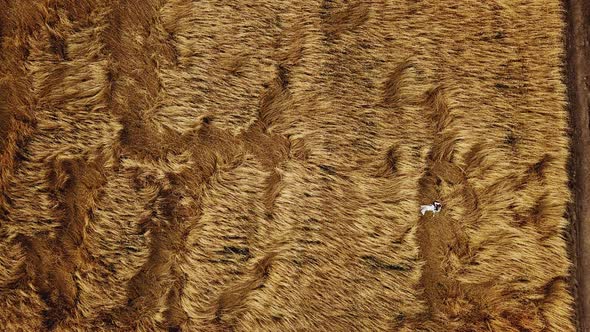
(260, 166)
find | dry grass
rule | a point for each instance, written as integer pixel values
(259, 166)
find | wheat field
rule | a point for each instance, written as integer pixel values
(260, 165)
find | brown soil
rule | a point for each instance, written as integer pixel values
(578, 74)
